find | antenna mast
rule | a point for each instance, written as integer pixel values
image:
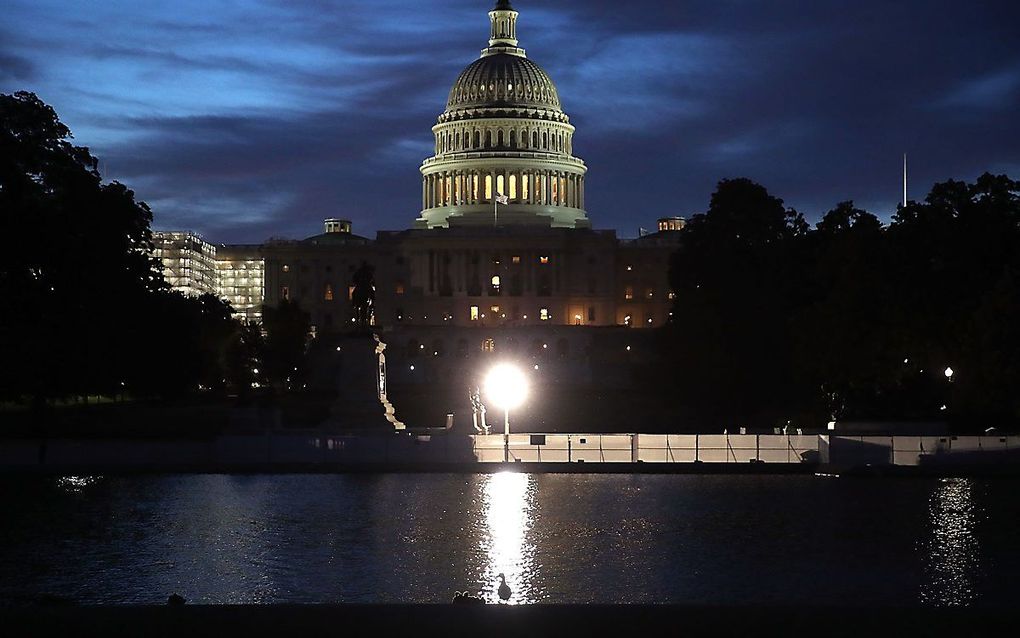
(904, 180)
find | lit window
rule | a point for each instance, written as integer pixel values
(488, 345)
(350, 293)
(543, 259)
(495, 309)
(328, 296)
(516, 259)
(629, 268)
(543, 314)
(626, 320)
(284, 292)
(474, 313)
(577, 319)
(400, 288)
(495, 281)
(286, 268)
(671, 295)
(628, 292)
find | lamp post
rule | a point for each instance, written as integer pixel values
(507, 387)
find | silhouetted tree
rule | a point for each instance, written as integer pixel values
(736, 274)
(75, 271)
(287, 327)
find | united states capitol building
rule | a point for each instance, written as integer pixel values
(502, 239)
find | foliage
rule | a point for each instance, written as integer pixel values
(287, 327)
(775, 321)
(86, 310)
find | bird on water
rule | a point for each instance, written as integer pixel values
(504, 589)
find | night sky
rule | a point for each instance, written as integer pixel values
(246, 120)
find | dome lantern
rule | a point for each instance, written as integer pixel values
(503, 31)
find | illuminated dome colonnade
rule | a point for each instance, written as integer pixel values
(503, 132)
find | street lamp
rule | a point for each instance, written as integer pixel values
(507, 387)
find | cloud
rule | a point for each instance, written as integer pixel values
(251, 119)
(997, 90)
(15, 68)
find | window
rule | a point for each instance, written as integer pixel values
(627, 320)
(543, 314)
(671, 295)
(488, 345)
(350, 293)
(286, 268)
(488, 187)
(628, 293)
(474, 313)
(400, 288)
(284, 292)
(328, 295)
(495, 281)
(544, 259)
(494, 309)
(516, 259)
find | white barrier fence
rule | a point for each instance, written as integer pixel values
(646, 448)
(739, 448)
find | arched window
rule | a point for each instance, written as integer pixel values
(474, 186)
(499, 185)
(488, 139)
(545, 140)
(534, 139)
(328, 296)
(555, 191)
(499, 138)
(525, 178)
(478, 139)
(513, 187)
(488, 188)
(488, 345)
(513, 138)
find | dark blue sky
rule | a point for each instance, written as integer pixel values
(245, 120)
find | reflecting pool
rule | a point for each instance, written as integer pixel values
(557, 538)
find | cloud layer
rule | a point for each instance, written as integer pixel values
(246, 120)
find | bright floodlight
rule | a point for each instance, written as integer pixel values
(506, 386)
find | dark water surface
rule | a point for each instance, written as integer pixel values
(558, 538)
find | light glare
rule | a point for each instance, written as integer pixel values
(506, 386)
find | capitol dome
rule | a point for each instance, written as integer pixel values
(503, 80)
(503, 145)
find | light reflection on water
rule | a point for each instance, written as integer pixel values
(952, 553)
(558, 538)
(508, 501)
(76, 484)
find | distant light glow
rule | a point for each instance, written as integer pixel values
(506, 386)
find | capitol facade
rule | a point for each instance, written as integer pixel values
(503, 238)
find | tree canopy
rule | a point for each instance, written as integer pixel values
(776, 321)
